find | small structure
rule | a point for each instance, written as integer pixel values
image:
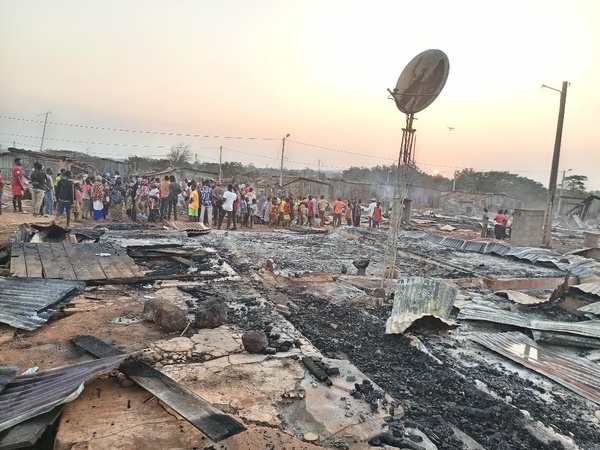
(471, 203)
(29, 157)
(183, 173)
(526, 230)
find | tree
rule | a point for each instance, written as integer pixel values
(180, 154)
(575, 183)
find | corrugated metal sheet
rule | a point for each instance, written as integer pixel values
(7, 373)
(190, 227)
(28, 303)
(452, 242)
(553, 338)
(416, 297)
(475, 246)
(476, 311)
(593, 308)
(28, 396)
(433, 238)
(577, 374)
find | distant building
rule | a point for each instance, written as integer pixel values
(29, 157)
(472, 203)
(181, 173)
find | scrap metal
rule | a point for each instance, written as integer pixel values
(574, 373)
(593, 308)
(7, 373)
(553, 338)
(27, 303)
(29, 396)
(417, 297)
(474, 311)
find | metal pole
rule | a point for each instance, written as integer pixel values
(44, 131)
(547, 229)
(282, 153)
(220, 162)
(562, 185)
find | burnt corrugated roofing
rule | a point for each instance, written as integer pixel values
(28, 303)
(28, 396)
(474, 311)
(577, 374)
(416, 297)
(593, 308)
(7, 373)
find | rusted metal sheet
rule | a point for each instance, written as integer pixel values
(577, 374)
(29, 396)
(27, 303)
(417, 297)
(189, 227)
(474, 311)
(521, 297)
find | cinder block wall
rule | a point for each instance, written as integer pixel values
(527, 227)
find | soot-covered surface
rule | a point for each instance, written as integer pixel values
(440, 391)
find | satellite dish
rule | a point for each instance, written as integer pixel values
(421, 81)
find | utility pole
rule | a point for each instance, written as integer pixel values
(562, 185)
(547, 228)
(44, 131)
(319, 168)
(220, 163)
(282, 153)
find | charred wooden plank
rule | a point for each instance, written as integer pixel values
(208, 419)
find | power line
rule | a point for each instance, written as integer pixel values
(159, 133)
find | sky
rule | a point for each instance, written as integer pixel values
(244, 74)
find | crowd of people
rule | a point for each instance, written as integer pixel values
(502, 223)
(117, 198)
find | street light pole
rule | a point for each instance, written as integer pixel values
(546, 230)
(44, 131)
(562, 185)
(220, 162)
(282, 153)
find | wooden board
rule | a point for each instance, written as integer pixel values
(70, 261)
(200, 413)
(27, 433)
(32, 261)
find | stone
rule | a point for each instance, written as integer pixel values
(211, 314)
(255, 341)
(167, 316)
(284, 310)
(311, 437)
(176, 345)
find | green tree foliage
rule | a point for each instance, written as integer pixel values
(576, 183)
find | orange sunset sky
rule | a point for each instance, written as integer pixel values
(318, 70)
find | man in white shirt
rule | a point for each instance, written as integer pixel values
(370, 210)
(228, 198)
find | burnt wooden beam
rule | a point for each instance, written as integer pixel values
(209, 420)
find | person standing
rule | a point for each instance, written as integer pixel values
(98, 199)
(206, 199)
(228, 198)
(86, 199)
(48, 193)
(65, 194)
(322, 205)
(218, 192)
(376, 215)
(498, 224)
(141, 198)
(164, 197)
(38, 183)
(349, 213)
(117, 199)
(370, 210)
(194, 204)
(357, 212)
(17, 185)
(485, 220)
(174, 191)
(338, 205)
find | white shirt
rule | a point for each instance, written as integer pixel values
(229, 198)
(372, 206)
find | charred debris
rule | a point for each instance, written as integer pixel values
(289, 339)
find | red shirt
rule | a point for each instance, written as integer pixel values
(18, 182)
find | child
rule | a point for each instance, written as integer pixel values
(153, 203)
(253, 212)
(243, 211)
(376, 217)
(77, 204)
